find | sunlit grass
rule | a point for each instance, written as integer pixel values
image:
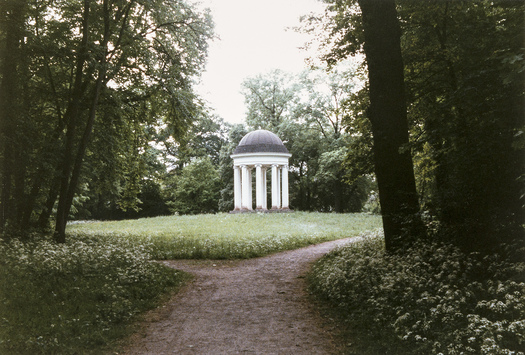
(228, 236)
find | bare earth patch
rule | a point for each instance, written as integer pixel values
(255, 306)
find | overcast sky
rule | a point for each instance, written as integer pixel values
(254, 38)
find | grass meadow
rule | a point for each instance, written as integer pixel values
(228, 236)
(81, 297)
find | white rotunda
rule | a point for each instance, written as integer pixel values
(260, 150)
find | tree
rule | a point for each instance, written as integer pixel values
(310, 110)
(168, 23)
(374, 29)
(464, 74)
(464, 68)
(388, 115)
(325, 95)
(129, 185)
(226, 166)
(269, 99)
(205, 137)
(142, 180)
(305, 145)
(133, 59)
(324, 104)
(12, 115)
(333, 191)
(197, 189)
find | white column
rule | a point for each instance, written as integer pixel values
(246, 191)
(237, 188)
(250, 195)
(264, 190)
(275, 187)
(279, 186)
(286, 203)
(258, 187)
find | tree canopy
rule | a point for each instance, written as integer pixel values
(463, 66)
(307, 112)
(84, 72)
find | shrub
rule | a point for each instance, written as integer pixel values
(433, 299)
(76, 297)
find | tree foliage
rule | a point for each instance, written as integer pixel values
(463, 68)
(307, 112)
(269, 99)
(226, 166)
(197, 189)
(147, 186)
(92, 72)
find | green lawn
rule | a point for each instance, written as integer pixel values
(228, 236)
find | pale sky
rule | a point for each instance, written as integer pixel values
(253, 40)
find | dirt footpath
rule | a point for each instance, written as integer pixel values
(256, 306)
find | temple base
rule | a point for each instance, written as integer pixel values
(276, 210)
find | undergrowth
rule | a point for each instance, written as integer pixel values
(75, 298)
(433, 299)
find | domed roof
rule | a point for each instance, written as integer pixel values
(260, 141)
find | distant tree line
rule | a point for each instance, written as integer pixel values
(195, 173)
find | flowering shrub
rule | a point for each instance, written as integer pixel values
(75, 297)
(433, 299)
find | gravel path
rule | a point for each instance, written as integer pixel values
(255, 306)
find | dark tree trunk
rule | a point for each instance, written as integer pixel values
(28, 207)
(70, 179)
(338, 195)
(387, 113)
(10, 111)
(45, 214)
(72, 118)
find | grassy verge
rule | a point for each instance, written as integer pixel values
(228, 236)
(434, 299)
(81, 297)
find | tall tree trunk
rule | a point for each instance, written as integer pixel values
(338, 195)
(10, 107)
(60, 230)
(387, 113)
(45, 214)
(67, 190)
(72, 116)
